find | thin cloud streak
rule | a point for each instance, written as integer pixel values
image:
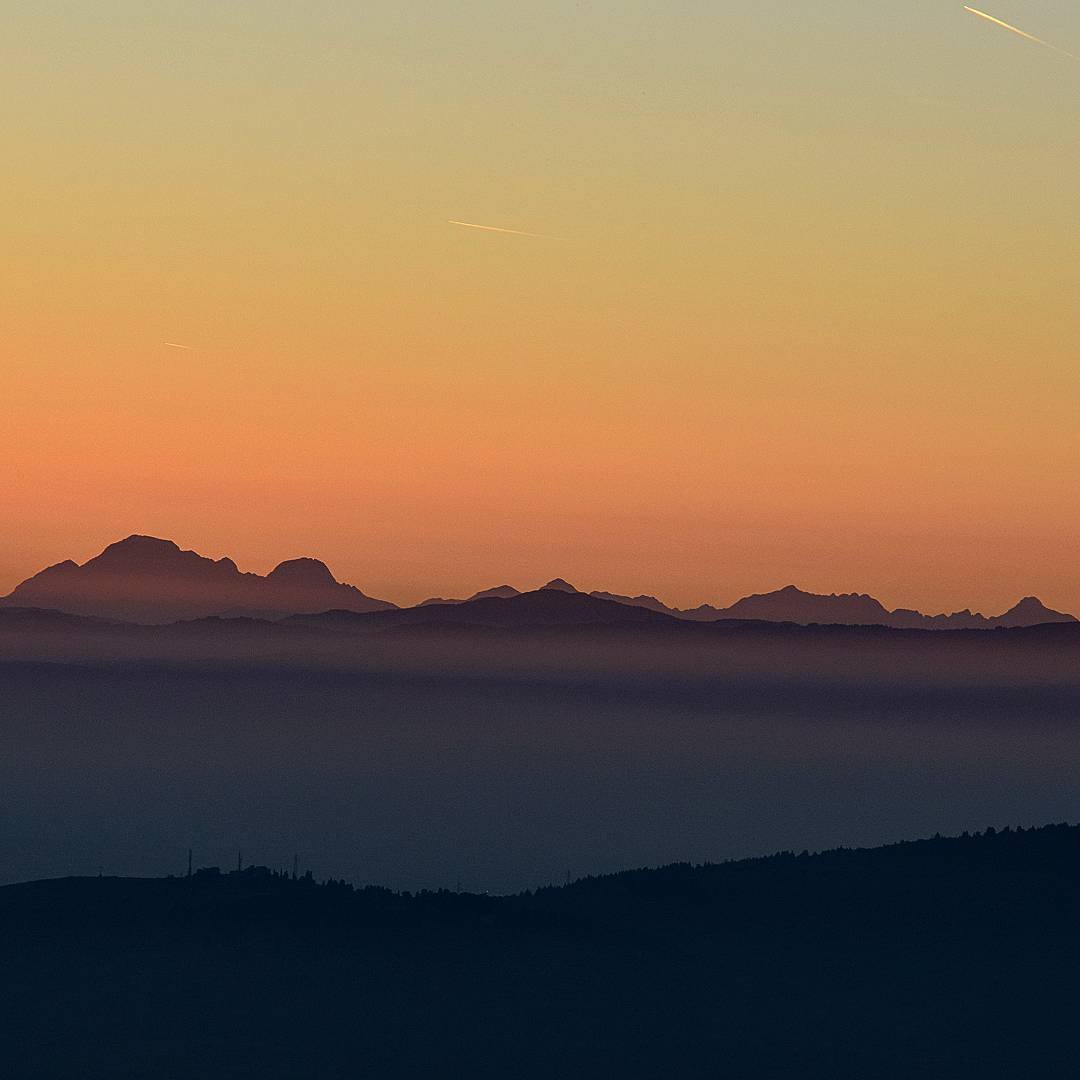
(1022, 33)
(174, 345)
(510, 232)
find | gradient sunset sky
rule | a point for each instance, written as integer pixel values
(803, 306)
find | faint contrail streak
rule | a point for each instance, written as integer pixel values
(1017, 30)
(173, 345)
(511, 232)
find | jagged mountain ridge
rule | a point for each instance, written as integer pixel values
(791, 604)
(151, 580)
(145, 579)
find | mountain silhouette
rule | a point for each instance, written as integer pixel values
(650, 602)
(149, 580)
(1031, 611)
(792, 605)
(558, 585)
(308, 573)
(546, 607)
(501, 592)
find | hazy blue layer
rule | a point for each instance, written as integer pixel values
(415, 783)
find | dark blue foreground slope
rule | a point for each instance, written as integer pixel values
(942, 958)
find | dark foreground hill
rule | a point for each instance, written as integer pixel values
(941, 958)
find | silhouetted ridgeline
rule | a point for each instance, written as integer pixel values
(149, 580)
(562, 636)
(940, 958)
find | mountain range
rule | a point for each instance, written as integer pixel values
(791, 604)
(149, 580)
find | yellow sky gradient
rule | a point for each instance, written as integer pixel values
(811, 316)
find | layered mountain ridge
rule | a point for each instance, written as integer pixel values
(145, 579)
(793, 605)
(149, 580)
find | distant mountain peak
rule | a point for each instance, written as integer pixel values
(499, 592)
(1032, 610)
(138, 547)
(792, 604)
(302, 572)
(1029, 603)
(148, 579)
(143, 541)
(558, 585)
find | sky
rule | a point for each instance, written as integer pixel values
(799, 306)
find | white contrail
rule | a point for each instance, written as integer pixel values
(1022, 33)
(174, 345)
(511, 232)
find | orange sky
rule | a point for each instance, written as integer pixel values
(812, 319)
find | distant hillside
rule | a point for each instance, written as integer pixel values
(649, 602)
(501, 592)
(148, 580)
(549, 606)
(937, 959)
